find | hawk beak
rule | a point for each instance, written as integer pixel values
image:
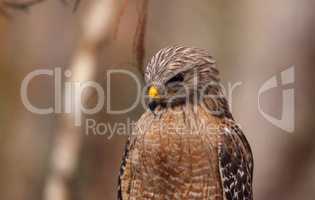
(154, 92)
(154, 96)
(152, 105)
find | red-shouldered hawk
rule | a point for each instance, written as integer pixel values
(187, 145)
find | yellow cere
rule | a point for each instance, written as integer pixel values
(153, 92)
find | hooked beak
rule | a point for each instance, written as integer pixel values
(154, 98)
(153, 105)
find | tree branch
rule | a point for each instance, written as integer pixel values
(98, 28)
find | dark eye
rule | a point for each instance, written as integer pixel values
(177, 78)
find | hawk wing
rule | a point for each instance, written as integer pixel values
(124, 179)
(236, 164)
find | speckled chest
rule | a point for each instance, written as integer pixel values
(175, 155)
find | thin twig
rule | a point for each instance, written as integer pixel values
(139, 38)
(121, 13)
(26, 5)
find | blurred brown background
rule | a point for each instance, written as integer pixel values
(251, 40)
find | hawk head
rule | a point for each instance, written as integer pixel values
(177, 75)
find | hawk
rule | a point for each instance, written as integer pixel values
(187, 144)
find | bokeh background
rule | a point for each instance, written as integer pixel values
(47, 157)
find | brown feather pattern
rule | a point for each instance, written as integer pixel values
(186, 152)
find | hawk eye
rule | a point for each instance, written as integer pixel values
(177, 78)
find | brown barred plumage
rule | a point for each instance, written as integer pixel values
(186, 148)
